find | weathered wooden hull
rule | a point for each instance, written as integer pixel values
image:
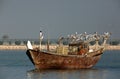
(43, 60)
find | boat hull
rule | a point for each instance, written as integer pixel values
(43, 60)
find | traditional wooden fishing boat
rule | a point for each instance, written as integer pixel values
(77, 54)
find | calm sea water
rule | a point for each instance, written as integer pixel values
(14, 64)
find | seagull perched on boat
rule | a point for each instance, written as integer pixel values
(107, 34)
(41, 35)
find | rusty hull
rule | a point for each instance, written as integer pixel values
(44, 60)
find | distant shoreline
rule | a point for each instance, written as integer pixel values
(23, 47)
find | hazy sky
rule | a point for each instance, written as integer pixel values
(25, 18)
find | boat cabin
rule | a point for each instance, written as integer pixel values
(80, 48)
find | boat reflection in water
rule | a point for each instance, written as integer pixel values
(68, 74)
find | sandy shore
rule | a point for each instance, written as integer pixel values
(23, 47)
